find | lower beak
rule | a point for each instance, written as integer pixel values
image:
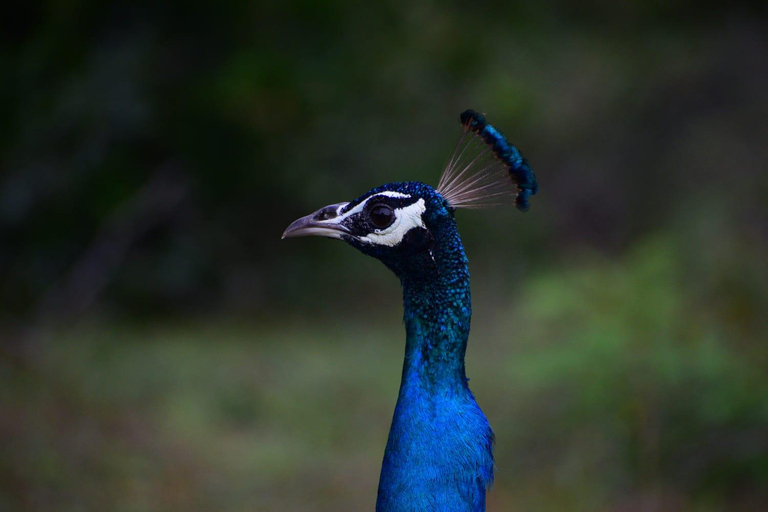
(324, 222)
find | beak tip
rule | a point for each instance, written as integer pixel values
(291, 230)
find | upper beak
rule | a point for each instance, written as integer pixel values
(324, 222)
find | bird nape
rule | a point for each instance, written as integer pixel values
(439, 455)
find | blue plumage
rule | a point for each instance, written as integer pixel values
(439, 454)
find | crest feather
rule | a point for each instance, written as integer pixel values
(485, 169)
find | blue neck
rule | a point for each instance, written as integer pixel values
(438, 455)
(437, 319)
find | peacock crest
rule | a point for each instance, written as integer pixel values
(485, 169)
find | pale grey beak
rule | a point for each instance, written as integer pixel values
(324, 222)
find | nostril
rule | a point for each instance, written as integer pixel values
(326, 213)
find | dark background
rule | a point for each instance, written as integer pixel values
(162, 349)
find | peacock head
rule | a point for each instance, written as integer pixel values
(397, 223)
(410, 226)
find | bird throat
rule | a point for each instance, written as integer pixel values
(437, 309)
(437, 320)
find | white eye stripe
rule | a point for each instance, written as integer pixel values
(359, 207)
(392, 193)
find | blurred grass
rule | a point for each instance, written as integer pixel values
(611, 385)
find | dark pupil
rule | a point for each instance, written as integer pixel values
(382, 216)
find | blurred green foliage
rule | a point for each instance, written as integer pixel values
(162, 349)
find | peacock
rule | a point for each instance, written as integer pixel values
(439, 455)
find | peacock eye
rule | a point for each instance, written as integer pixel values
(382, 216)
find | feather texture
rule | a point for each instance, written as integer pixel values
(485, 169)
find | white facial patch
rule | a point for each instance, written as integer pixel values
(406, 218)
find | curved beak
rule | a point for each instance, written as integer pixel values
(324, 222)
